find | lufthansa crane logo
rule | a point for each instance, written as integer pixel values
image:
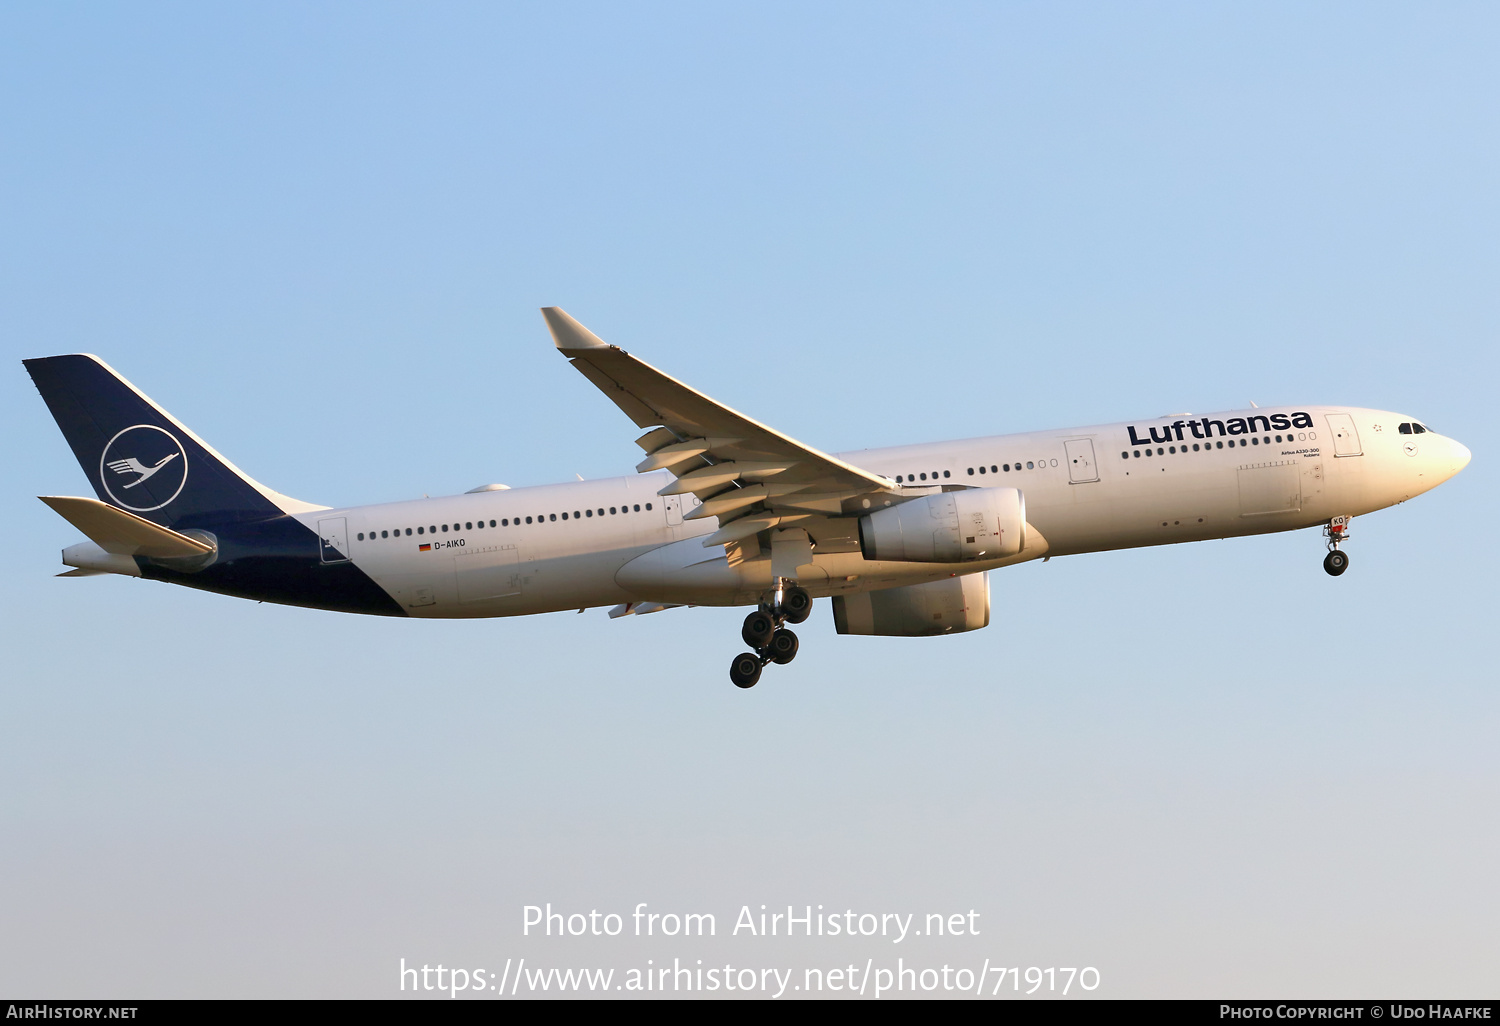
(143, 468)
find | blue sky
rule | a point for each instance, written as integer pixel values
(319, 235)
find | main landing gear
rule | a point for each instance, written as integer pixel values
(763, 631)
(1336, 530)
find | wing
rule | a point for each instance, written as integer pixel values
(751, 477)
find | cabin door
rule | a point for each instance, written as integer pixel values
(1081, 466)
(333, 540)
(1345, 438)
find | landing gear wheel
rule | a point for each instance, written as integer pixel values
(1335, 563)
(758, 629)
(796, 605)
(783, 647)
(745, 670)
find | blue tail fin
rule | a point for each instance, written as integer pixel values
(139, 457)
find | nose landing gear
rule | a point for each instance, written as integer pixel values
(763, 631)
(1336, 530)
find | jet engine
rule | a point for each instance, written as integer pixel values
(917, 610)
(948, 527)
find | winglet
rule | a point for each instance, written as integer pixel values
(568, 333)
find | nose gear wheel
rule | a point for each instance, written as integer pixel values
(1336, 530)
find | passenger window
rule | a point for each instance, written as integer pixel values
(638, 507)
(601, 511)
(528, 520)
(362, 536)
(468, 526)
(648, 505)
(565, 516)
(552, 517)
(971, 471)
(575, 514)
(946, 474)
(924, 477)
(408, 532)
(1174, 450)
(588, 512)
(611, 510)
(1138, 454)
(1030, 465)
(419, 530)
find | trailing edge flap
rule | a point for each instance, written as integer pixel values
(121, 533)
(649, 397)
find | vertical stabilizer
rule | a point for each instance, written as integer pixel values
(140, 458)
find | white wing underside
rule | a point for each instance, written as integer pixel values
(754, 479)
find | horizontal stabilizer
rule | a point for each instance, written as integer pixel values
(121, 533)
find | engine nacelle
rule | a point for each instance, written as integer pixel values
(948, 527)
(917, 610)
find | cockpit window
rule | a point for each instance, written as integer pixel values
(1405, 429)
(1418, 429)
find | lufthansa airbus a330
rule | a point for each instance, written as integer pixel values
(723, 510)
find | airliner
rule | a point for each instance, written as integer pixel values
(723, 510)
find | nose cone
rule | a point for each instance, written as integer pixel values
(1460, 457)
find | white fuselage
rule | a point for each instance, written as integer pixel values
(604, 542)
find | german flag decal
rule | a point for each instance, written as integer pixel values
(424, 548)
